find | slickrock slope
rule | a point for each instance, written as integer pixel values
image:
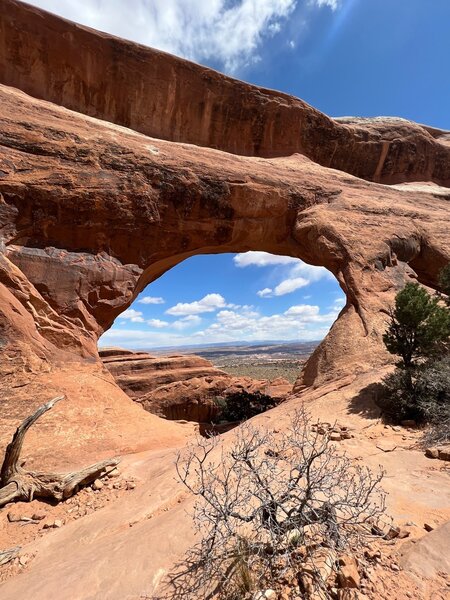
(125, 550)
(180, 386)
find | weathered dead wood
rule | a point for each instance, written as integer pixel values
(18, 484)
(7, 556)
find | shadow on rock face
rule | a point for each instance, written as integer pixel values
(365, 402)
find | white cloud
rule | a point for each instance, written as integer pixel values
(157, 323)
(287, 286)
(338, 303)
(265, 293)
(303, 310)
(299, 322)
(262, 259)
(208, 303)
(151, 300)
(135, 316)
(299, 274)
(187, 322)
(333, 4)
(201, 30)
(135, 339)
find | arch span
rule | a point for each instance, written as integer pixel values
(169, 98)
(91, 214)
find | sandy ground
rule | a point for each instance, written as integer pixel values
(118, 543)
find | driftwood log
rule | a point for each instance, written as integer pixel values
(16, 483)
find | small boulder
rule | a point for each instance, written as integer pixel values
(38, 515)
(432, 453)
(392, 533)
(13, 518)
(428, 527)
(335, 436)
(348, 575)
(444, 453)
(98, 485)
(386, 446)
(113, 473)
(403, 533)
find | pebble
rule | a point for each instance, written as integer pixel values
(114, 473)
(38, 515)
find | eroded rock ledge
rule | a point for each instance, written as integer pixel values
(180, 386)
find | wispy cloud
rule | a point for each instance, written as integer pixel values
(297, 275)
(158, 323)
(333, 4)
(287, 286)
(200, 30)
(229, 33)
(135, 316)
(151, 300)
(187, 322)
(262, 259)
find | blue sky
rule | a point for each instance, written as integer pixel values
(345, 57)
(224, 298)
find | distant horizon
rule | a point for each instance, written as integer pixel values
(252, 344)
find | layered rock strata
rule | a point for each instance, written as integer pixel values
(169, 98)
(180, 386)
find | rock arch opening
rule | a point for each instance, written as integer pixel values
(217, 324)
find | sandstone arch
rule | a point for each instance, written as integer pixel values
(91, 212)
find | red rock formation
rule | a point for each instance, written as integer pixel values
(91, 212)
(172, 99)
(180, 386)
